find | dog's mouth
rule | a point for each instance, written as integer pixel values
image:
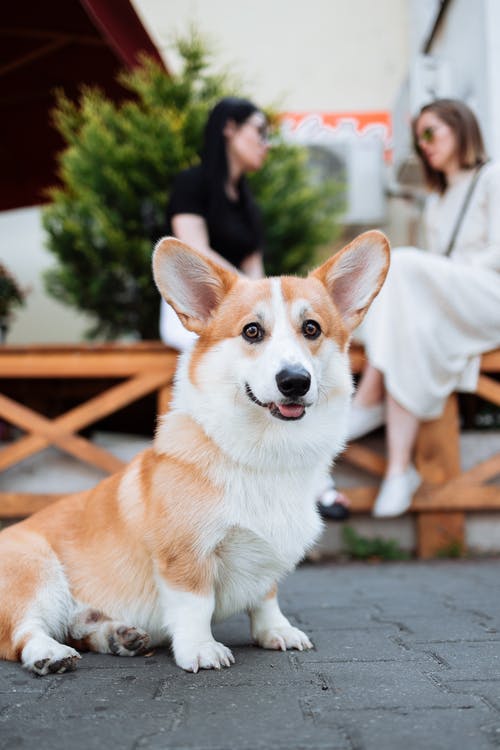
(286, 410)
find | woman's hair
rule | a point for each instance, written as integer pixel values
(470, 147)
(214, 153)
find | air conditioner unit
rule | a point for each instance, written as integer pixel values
(349, 157)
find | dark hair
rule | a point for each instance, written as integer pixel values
(214, 155)
(470, 147)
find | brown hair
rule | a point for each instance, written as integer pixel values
(470, 147)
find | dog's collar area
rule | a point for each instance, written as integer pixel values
(287, 410)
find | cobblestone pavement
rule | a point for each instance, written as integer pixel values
(407, 656)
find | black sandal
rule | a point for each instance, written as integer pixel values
(330, 507)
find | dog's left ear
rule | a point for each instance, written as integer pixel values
(189, 281)
(354, 276)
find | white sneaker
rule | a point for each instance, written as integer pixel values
(396, 493)
(364, 419)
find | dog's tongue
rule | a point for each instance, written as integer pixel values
(291, 410)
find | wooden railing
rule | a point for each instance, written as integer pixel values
(440, 505)
(145, 367)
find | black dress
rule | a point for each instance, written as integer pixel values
(234, 227)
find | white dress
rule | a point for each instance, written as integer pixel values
(172, 332)
(435, 314)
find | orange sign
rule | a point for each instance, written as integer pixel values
(341, 124)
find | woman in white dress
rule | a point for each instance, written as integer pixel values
(439, 308)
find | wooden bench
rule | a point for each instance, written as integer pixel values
(440, 504)
(447, 492)
(145, 367)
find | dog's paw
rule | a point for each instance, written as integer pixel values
(125, 641)
(56, 666)
(52, 660)
(282, 638)
(207, 655)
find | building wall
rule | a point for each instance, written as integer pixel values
(463, 62)
(492, 34)
(22, 249)
(469, 42)
(321, 54)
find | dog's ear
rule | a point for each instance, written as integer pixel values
(189, 281)
(354, 276)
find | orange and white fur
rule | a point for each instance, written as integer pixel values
(204, 523)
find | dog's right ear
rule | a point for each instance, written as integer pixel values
(189, 281)
(354, 276)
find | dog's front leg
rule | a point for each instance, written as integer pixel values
(187, 616)
(271, 629)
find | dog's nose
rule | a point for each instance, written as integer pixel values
(293, 381)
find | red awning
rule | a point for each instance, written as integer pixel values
(119, 25)
(45, 46)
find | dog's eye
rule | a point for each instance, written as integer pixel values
(311, 329)
(253, 332)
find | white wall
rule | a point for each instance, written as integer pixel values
(492, 88)
(22, 250)
(461, 42)
(463, 62)
(320, 54)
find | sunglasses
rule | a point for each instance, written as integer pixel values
(263, 133)
(428, 134)
(262, 130)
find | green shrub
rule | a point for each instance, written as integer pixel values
(363, 548)
(116, 172)
(11, 294)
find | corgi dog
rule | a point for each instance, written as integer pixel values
(205, 522)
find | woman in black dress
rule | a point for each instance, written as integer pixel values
(211, 207)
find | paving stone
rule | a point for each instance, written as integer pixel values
(334, 618)
(470, 660)
(487, 689)
(432, 729)
(386, 685)
(260, 719)
(429, 627)
(406, 657)
(377, 643)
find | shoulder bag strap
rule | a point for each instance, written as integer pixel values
(463, 209)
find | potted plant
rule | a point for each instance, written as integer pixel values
(11, 296)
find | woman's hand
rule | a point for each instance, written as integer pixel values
(252, 266)
(192, 229)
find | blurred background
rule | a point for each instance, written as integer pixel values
(344, 77)
(85, 177)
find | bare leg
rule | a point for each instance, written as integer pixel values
(402, 428)
(401, 479)
(370, 388)
(368, 406)
(402, 425)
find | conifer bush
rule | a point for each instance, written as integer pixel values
(116, 172)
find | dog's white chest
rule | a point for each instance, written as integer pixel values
(270, 533)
